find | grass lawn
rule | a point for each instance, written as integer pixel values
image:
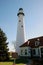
(9, 63)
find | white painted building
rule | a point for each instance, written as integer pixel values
(32, 48)
(20, 39)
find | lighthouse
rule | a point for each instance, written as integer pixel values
(20, 38)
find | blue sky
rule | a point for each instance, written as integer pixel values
(33, 10)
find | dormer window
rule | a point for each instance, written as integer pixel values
(37, 42)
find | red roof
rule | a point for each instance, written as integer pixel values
(31, 42)
(25, 44)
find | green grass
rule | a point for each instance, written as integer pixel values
(9, 63)
(6, 63)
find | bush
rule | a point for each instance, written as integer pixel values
(21, 60)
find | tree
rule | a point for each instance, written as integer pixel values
(3, 46)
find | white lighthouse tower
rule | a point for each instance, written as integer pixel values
(20, 30)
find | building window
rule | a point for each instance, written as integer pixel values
(21, 52)
(29, 51)
(25, 51)
(41, 50)
(33, 51)
(38, 52)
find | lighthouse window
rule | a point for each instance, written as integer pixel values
(19, 20)
(22, 26)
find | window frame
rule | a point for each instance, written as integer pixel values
(25, 51)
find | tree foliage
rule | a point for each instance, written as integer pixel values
(3, 46)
